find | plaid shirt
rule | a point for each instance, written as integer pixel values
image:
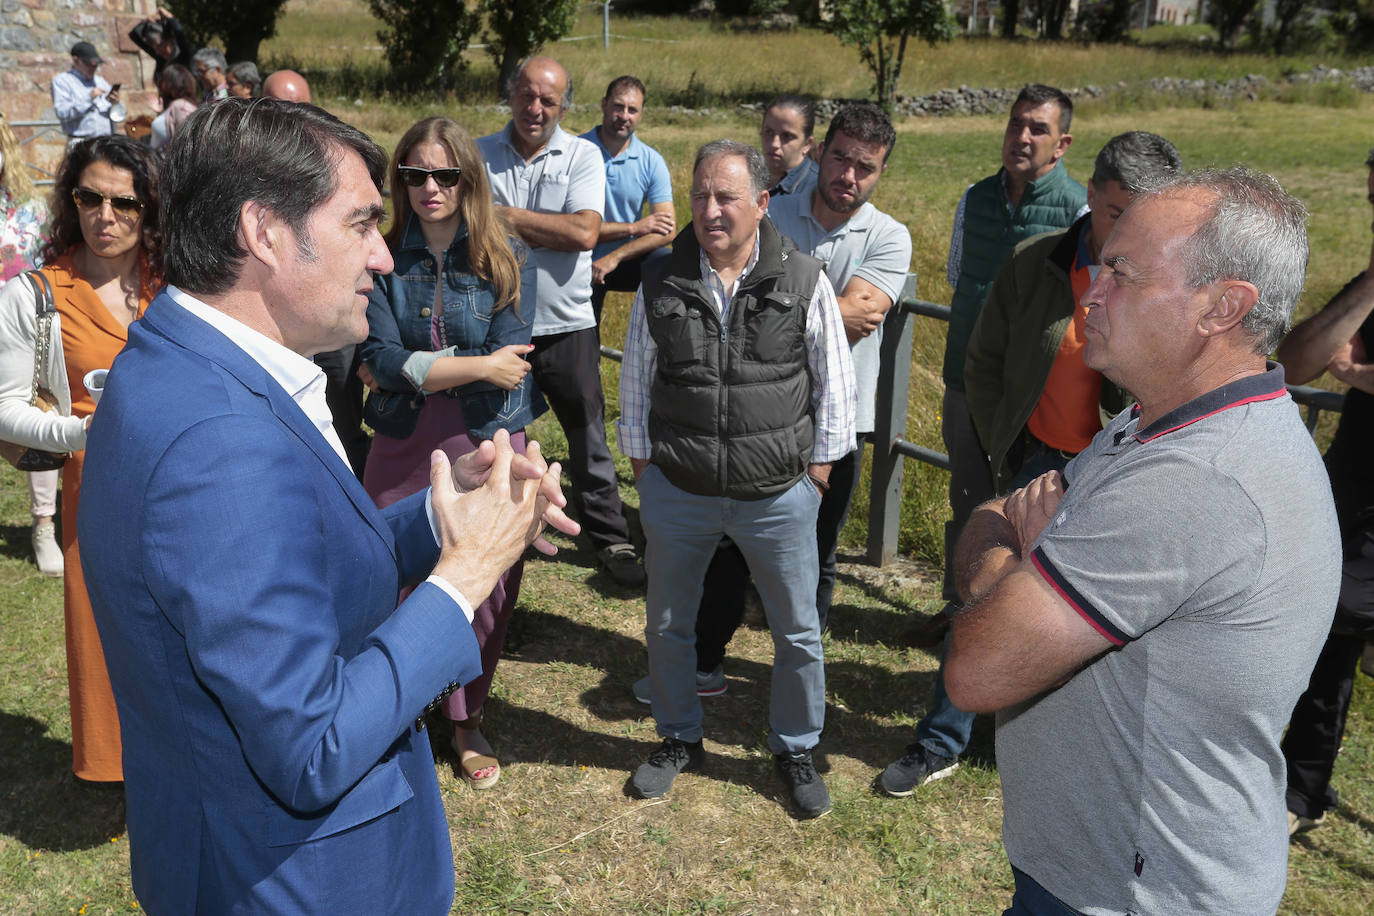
(834, 395)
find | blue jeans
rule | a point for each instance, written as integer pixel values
(1030, 899)
(946, 728)
(777, 537)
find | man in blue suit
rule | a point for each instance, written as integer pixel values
(270, 690)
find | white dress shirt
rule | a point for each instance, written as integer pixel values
(304, 381)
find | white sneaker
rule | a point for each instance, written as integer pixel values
(45, 549)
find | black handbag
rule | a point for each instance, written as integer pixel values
(393, 413)
(22, 457)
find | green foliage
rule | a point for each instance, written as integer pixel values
(1228, 16)
(517, 28)
(424, 40)
(242, 26)
(1108, 21)
(880, 29)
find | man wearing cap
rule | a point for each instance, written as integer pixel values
(81, 98)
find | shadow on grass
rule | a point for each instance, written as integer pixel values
(16, 541)
(739, 717)
(1315, 841)
(44, 806)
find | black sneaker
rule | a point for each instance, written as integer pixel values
(805, 789)
(622, 562)
(655, 776)
(916, 768)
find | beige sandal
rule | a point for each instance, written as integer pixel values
(479, 767)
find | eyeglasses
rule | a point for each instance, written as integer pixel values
(416, 177)
(87, 199)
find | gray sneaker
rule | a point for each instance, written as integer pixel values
(916, 768)
(710, 684)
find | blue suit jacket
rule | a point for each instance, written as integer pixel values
(245, 585)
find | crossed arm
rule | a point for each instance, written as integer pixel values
(645, 234)
(1016, 637)
(560, 231)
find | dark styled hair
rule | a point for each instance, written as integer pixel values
(283, 155)
(1137, 160)
(621, 83)
(801, 105)
(757, 166)
(176, 82)
(866, 123)
(1038, 94)
(64, 226)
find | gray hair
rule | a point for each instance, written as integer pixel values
(212, 58)
(759, 177)
(1136, 160)
(246, 72)
(1256, 232)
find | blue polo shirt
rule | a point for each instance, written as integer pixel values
(636, 177)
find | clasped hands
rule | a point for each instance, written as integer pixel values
(488, 506)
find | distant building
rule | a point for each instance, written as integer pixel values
(35, 44)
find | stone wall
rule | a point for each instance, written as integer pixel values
(36, 37)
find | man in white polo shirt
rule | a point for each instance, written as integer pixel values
(551, 188)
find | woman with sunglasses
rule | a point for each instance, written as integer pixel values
(446, 351)
(102, 245)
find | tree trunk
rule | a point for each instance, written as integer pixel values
(1011, 14)
(1054, 22)
(510, 62)
(242, 47)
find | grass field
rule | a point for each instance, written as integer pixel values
(558, 834)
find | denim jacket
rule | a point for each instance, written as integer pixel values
(398, 347)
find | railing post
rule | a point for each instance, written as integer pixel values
(894, 382)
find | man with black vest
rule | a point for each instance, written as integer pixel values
(1030, 194)
(736, 394)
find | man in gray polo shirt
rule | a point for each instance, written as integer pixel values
(551, 187)
(1143, 622)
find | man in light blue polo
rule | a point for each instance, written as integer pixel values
(81, 98)
(636, 177)
(551, 188)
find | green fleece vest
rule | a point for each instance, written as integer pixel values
(990, 233)
(730, 407)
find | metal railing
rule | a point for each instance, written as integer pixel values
(894, 384)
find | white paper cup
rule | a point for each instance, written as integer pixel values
(95, 383)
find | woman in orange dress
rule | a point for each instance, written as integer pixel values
(103, 241)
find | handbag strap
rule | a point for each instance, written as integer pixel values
(45, 307)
